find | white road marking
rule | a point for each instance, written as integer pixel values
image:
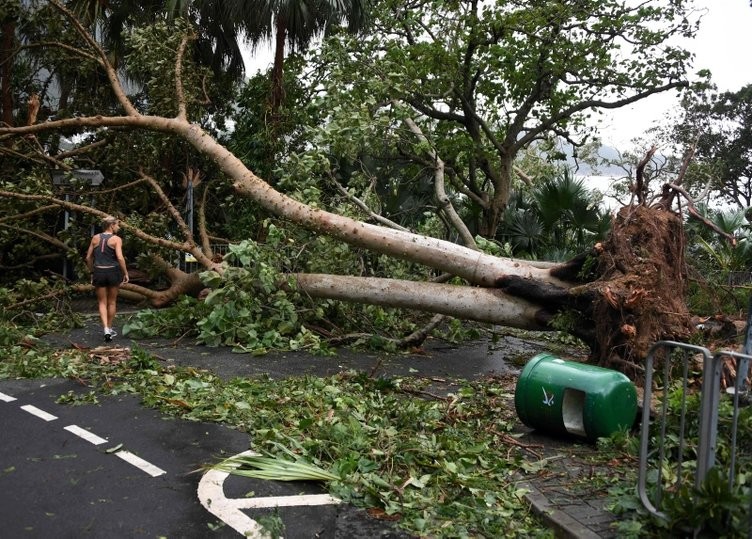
(90, 437)
(140, 463)
(85, 434)
(284, 501)
(212, 496)
(33, 410)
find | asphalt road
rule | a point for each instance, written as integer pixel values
(115, 469)
(65, 474)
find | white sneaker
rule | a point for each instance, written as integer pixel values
(113, 333)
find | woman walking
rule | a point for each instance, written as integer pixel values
(107, 266)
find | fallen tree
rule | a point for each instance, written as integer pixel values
(619, 298)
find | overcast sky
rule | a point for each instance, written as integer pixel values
(723, 45)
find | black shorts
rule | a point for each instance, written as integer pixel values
(107, 277)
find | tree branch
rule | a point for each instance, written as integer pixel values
(692, 210)
(640, 187)
(117, 88)
(93, 211)
(31, 213)
(42, 236)
(363, 206)
(202, 229)
(179, 89)
(445, 204)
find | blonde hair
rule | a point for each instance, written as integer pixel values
(109, 221)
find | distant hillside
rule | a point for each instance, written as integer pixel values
(608, 153)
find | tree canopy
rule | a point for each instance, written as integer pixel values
(439, 96)
(483, 81)
(719, 125)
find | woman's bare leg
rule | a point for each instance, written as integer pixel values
(112, 294)
(102, 305)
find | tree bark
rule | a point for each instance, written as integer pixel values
(469, 303)
(634, 296)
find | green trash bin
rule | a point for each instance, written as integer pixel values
(567, 397)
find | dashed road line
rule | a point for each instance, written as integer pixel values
(41, 414)
(90, 437)
(140, 463)
(85, 434)
(212, 496)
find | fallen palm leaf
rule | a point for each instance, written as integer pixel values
(274, 468)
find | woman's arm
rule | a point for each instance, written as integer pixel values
(90, 254)
(121, 259)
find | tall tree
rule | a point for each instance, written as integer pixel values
(8, 18)
(281, 23)
(719, 124)
(295, 24)
(486, 80)
(634, 297)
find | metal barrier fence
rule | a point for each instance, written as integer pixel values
(739, 278)
(680, 448)
(188, 264)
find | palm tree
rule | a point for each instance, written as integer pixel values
(715, 256)
(293, 23)
(225, 24)
(568, 210)
(558, 219)
(296, 23)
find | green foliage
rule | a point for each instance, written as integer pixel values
(264, 141)
(718, 125)
(440, 466)
(141, 360)
(250, 310)
(35, 307)
(74, 398)
(152, 59)
(246, 308)
(715, 261)
(714, 509)
(177, 320)
(272, 524)
(482, 82)
(275, 467)
(556, 220)
(566, 320)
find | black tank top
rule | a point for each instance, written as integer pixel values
(104, 255)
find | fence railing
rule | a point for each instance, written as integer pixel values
(739, 278)
(681, 433)
(188, 264)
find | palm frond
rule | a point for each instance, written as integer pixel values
(274, 468)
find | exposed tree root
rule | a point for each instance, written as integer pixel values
(641, 289)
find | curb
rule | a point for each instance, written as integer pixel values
(564, 525)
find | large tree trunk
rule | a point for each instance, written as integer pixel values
(465, 302)
(634, 296)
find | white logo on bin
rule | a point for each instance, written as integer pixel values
(548, 400)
